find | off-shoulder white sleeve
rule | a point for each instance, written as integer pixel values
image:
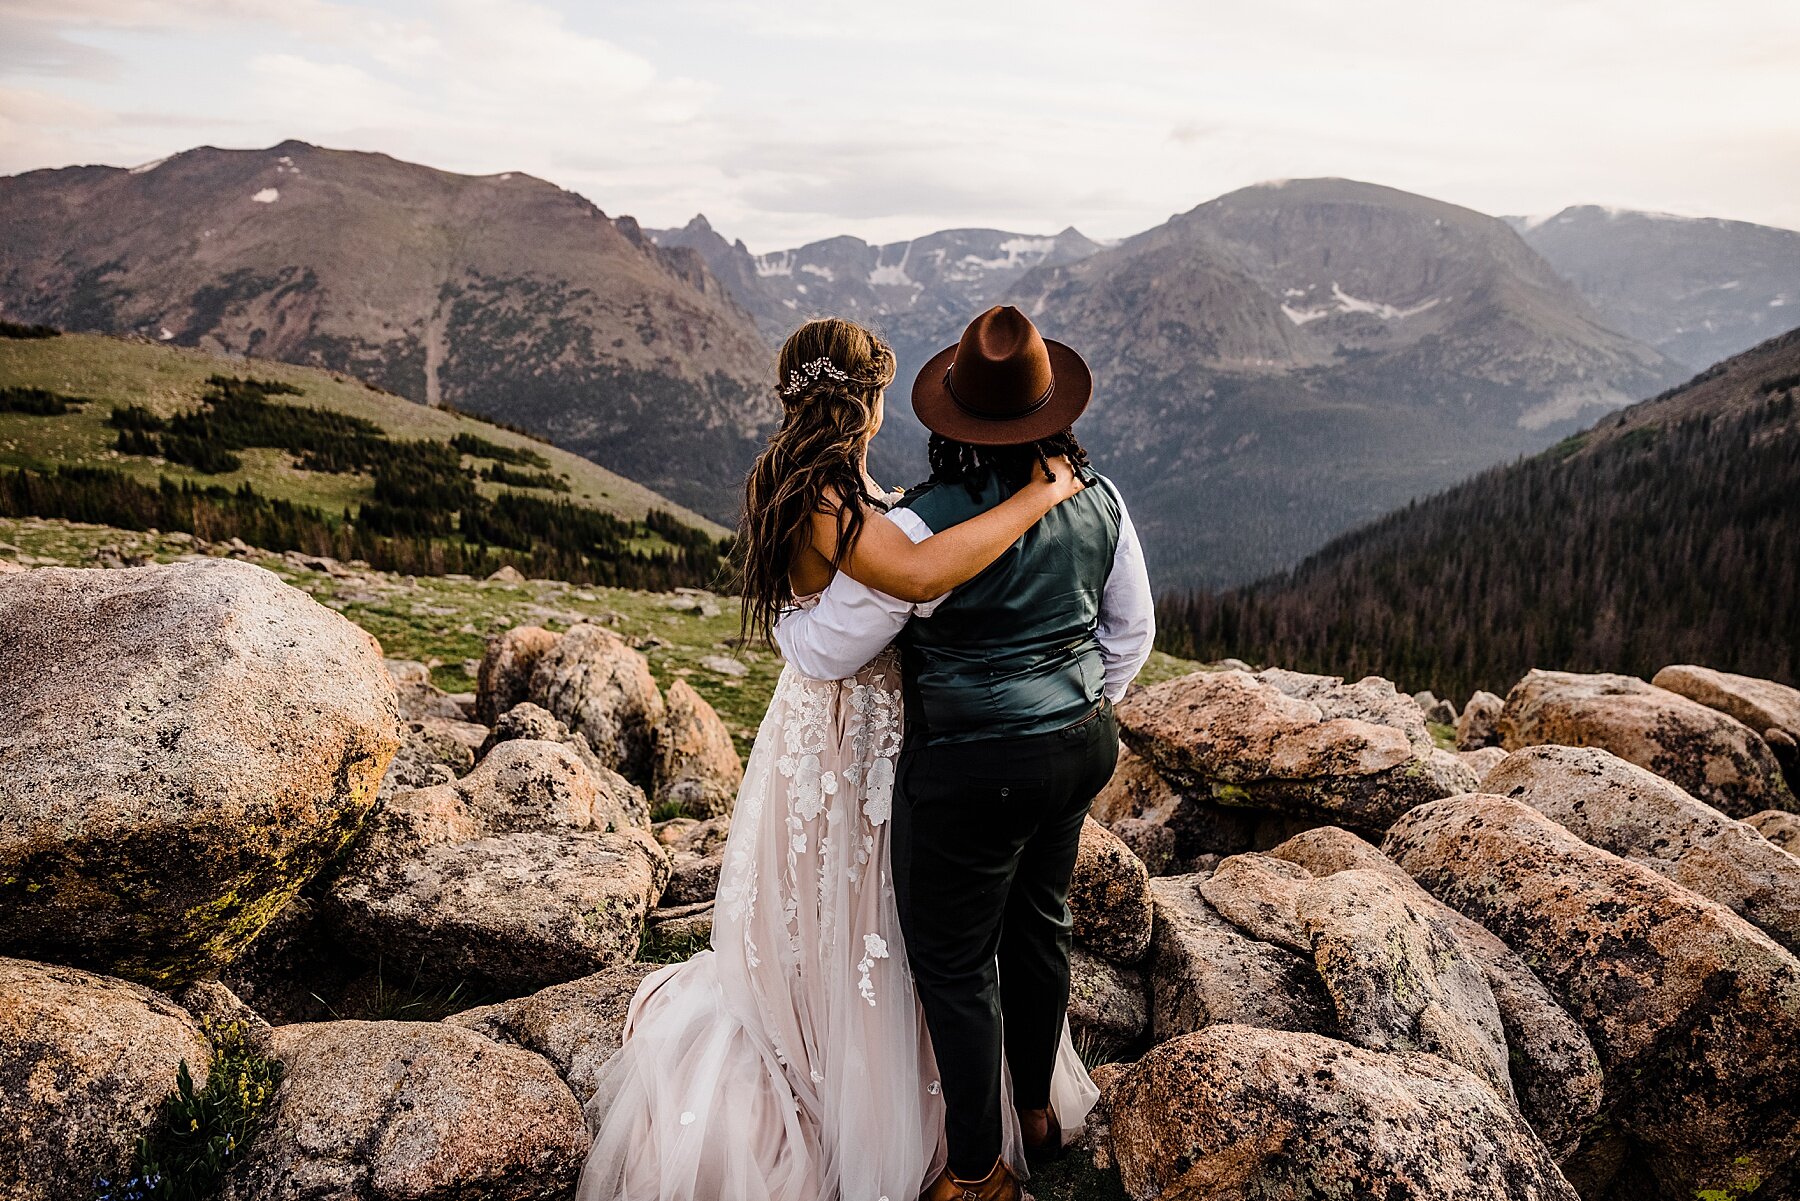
(851, 622)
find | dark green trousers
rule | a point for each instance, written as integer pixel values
(984, 842)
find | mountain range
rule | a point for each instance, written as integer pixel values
(1273, 367)
(1663, 534)
(923, 284)
(501, 294)
(1698, 289)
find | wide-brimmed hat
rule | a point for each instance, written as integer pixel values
(1004, 384)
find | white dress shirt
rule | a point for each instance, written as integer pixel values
(851, 622)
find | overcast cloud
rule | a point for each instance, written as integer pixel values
(793, 121)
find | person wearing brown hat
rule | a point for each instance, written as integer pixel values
(1009, 682)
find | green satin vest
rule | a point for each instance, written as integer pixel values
(1012, 653)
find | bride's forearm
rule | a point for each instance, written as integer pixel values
(885, 559)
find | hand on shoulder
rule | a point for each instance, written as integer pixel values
(1053, 492)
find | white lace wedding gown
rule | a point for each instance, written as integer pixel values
(791, 1061)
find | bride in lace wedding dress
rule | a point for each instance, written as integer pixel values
(790, 1062)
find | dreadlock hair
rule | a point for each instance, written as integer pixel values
(954, 462)
(830, 375)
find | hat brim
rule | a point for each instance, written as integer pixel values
(1071, 389)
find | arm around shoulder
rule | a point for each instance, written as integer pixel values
(918, 570)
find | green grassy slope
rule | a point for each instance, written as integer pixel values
(167, 379)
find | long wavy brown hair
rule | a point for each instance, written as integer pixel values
(815, 458)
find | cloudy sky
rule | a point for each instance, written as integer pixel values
(789, 121)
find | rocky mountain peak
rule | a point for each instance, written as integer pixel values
(1697, 288)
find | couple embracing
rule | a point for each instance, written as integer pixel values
(882, 1013)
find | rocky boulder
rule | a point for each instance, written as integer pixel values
(1399, 978)
(433, 750)
(1169, 829)
(532, 785)
(419, 698)
(504, 677)
(1235, 1111)
(526, 720)
(1109, 897)
(1771, 709)
(1605, 801)
(85, 1061)
(591, 679)
(1280, 740)
(1479, 725)
(1483, 761)
(1204, 971)
(520, 875)
(533, 722)
(411, 1111)
(1395, 971)
(510, 911)
(697, 767)
(1779, 827)
(1760, 704)
(183, 747)
(677, 932)
(1107, 1003)
(575, 1026)
(1555, 1072)
(1693, 1011)
(1714, 757)
(696, 856)
(217, 1007)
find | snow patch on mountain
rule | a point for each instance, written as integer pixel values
(1387, 312)
(1343, 302)
(1014, 252)
(893, 276)
(267, 196)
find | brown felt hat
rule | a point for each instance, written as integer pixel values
(1004, 384)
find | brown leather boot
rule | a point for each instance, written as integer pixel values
(1042, 1135)
(998, 1185)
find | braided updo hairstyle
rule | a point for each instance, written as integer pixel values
(813, 459)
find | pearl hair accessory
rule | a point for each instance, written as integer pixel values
(810, 373)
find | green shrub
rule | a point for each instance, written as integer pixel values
(500, 473)
(200, 1134)
(202, 454)
(136, 417)
(13, 329)
(478, 447)
(137, 442)
(37, 402)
